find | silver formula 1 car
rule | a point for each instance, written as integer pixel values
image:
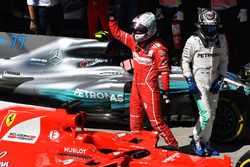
(70, 69)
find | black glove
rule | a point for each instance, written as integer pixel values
(112, 12)
(165, 96)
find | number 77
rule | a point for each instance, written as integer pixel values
(18, 38)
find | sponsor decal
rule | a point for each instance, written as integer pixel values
(96, 61)
(204, 55)
(56, 56)
(172, 157)
(121, 134)
(74, 150)
(86, 63)
(39, 60)
(21, 136)
(11, 73)
(10, 119)
(142, 60)
(25, 132)
(54, 134)
(66, 161)
(98, 95)
(4, 164)
(78, 154)
(111, 73)
(118, 136)
(18, 38)
(79, 158)
(3, 154)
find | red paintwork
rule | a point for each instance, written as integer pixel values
(41, 137)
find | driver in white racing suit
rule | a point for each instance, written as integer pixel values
(204, 63)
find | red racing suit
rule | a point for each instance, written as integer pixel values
(149, 63)
(97, 12)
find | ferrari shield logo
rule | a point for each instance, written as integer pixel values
(10, 119)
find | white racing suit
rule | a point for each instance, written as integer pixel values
(205, 64)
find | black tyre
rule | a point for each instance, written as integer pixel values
(232, 117)
(244, 160)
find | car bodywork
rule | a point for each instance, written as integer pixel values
(70, 69)
(54, 137)
(54, 71)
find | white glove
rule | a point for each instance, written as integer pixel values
(165, 97)
(158, 14)
(179, 15)
(242, 16)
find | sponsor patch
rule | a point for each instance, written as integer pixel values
(142, 60)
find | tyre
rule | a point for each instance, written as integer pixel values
(244, 160)
(232, 118)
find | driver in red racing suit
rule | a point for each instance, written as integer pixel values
(150, 59)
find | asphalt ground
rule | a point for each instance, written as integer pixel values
(181, 132)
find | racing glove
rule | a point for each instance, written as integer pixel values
(165, 96)
(216, 85)
(101, 35)
(242, 16)
(192, 87)
(112, 12)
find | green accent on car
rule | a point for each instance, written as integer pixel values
(113, 99)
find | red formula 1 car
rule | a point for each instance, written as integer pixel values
(45, 137)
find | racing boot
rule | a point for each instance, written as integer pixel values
(210, 150)
(198, 150)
